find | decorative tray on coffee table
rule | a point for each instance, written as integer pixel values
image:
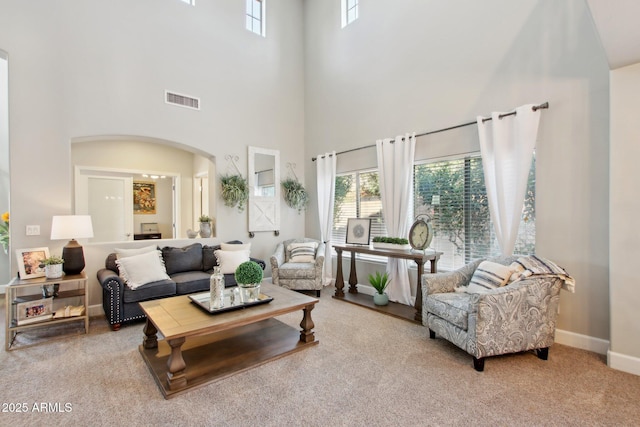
(232, 301)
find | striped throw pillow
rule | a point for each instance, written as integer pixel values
(303, 252)
(489, 275)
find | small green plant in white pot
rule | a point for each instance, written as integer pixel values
(53, 266)
(380, 283)
(249, 276)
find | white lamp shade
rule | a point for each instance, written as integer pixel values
(71, 227)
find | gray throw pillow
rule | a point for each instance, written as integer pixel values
(178, 260)
(208, 258)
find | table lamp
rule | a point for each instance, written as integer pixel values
(72, 227)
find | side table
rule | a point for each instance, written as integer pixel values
(25, 290)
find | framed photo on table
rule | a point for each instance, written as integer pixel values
(358, 231)
(34, 311)
(30, 261)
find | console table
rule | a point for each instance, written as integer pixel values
(419, 258)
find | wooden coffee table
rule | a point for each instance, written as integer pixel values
(199, 348)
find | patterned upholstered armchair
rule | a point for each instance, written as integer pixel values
(518, 317)
(297, 264)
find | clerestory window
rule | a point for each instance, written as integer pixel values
(349, 10)
(255, 16)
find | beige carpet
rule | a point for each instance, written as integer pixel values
(368, 370)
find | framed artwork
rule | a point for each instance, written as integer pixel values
(358, 231)
(144, 198)
(29, 261)
(34, 311)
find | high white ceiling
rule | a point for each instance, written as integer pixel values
(618, 24)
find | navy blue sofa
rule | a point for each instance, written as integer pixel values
(189, 269)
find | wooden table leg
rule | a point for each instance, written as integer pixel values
(339, 279)
(150, 339)
(306, 335)
(418, 304)
(353, 275)
(176, 377)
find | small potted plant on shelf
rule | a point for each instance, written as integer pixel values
(249, 276)
(379, 283)
(205, 226)
(53, 266)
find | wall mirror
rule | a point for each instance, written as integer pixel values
(156, 182)
(264, 190)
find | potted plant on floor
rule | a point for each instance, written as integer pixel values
(249, 276)
(379, 283)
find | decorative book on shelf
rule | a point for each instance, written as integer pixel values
(69, 311)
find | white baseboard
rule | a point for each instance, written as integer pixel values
(95, 310)
(3, 289)
(583, 342)
(624, 363)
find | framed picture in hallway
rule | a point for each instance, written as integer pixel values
(358, 231)
(144, 198)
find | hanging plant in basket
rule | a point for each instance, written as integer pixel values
(235, 191)
(295, 195)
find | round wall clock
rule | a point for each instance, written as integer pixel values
(420, 234)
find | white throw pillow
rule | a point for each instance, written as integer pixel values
(122, 253)
(138, 270)
(489, 275)
(302, 252)
(230, 260)
(235, 247)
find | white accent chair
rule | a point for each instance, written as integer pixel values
(298, 276)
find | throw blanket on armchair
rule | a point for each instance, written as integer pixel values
(534, 265)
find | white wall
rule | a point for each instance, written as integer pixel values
(85, 68)
(623, 239)
(421, 66)
(5, 270)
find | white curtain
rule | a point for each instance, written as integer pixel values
(326, 184)
(395, 166)
(507, 146)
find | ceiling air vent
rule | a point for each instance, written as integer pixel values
(181, 100)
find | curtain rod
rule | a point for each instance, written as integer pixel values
(513, 113)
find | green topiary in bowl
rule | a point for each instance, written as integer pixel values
(248, 273)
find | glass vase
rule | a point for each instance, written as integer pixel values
(216, 289)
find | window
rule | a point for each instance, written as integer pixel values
(357, 196)
(454, 194)
(255, 19)
(349, 11)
